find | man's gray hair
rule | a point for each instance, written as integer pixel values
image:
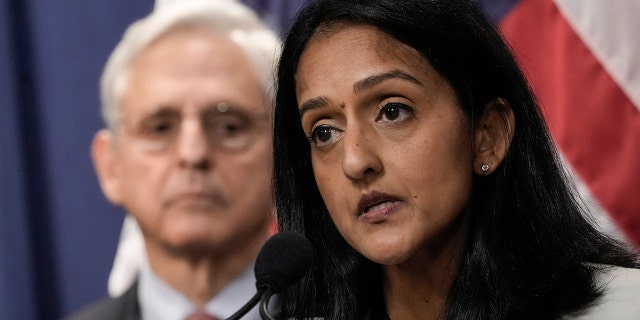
(229, 17)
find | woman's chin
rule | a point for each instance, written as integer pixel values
(385, 254)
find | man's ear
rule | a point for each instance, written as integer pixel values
(493, 133)
(105, 162)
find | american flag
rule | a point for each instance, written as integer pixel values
(583, 60)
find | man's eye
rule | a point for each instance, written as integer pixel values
(229, 127)
(323, 135)
(162, 127)
(157, 127)
(394, 112)
(231, 132)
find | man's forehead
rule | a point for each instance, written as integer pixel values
(208, 109)
(172, 80)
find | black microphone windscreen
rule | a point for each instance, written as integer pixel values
(282, 261)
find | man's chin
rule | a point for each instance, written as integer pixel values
(190, 243)
(191, 249)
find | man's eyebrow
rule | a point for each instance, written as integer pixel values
(162, 110)
(371, 81)
(313, 103)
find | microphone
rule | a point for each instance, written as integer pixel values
(282, 261)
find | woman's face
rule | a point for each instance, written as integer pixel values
(391, 149)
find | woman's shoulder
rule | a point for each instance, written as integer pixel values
(620, 298)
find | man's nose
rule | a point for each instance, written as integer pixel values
(193, 146)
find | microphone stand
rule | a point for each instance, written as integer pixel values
(263, 296)
(264, 305)
(248, 306)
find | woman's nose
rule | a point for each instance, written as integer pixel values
(360, 155)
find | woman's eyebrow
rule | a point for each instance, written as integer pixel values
(359, 86)
(314, 103)
(373, 80)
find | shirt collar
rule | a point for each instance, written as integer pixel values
(160, 301)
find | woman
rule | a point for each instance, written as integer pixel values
(410, 150)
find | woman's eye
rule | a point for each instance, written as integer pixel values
(323, 135)
(394, 112)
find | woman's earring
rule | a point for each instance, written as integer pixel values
(484, 168)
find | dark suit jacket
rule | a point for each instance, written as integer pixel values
(124, 307)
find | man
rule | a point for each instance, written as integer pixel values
(186, 97)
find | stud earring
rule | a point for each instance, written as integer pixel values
(484, 168)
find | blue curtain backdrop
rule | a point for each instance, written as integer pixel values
(58, 234)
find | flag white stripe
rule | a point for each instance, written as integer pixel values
(611, 30)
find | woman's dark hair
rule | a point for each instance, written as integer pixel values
(532, 253)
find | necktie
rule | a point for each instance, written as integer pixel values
(201, 315)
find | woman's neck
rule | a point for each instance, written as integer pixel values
(419, 287)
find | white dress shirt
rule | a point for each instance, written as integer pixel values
(159, 301)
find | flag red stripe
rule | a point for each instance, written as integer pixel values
(595, 124)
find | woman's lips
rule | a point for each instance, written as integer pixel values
(375, 207)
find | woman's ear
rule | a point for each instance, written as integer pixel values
(493, 133)
(105, 162)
